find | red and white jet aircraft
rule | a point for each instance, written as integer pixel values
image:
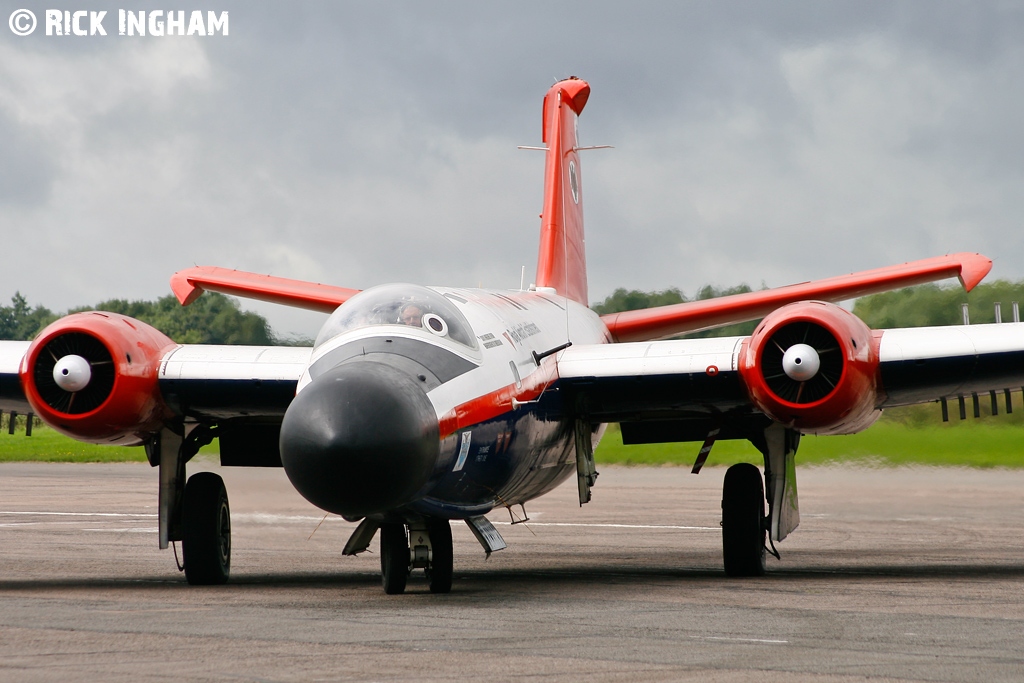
(421, 405)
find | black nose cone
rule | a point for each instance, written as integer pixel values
(362, 438)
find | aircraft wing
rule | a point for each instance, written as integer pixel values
(188, 284)
(693, 316)
(244, 390)
(198, 380)
(222, 382)
(661, 391)
(680, 390)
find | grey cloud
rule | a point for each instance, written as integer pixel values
(362, 143)
(27, 167)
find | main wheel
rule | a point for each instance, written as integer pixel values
(743, 529)
(394, 558)
(441, 563)
(206, 542)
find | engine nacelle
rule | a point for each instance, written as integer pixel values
(93, 377)
(813, 366)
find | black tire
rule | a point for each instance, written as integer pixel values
(394, 558)
(442, 558)
(206, 540)
(743, 529)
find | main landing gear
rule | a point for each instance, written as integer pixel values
(743, 521)
(421, 544)
(195, 511)
(206, 530)
(745, 526)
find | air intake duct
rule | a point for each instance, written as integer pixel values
(813, 367)
(93, 377)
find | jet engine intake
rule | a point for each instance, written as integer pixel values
(813, 366)
(93, 377)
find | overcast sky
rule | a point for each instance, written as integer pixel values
(364, 143)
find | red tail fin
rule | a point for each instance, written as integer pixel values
(562, 262)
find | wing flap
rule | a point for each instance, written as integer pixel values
(693, 316)
(188, 284)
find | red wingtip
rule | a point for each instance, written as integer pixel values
(973, 269)
(186, 292)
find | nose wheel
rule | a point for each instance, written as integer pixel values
(394, 557)
(420, 545)
(206, 538)
(441, 567)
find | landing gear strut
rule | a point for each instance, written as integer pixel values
(426, 545)
(743, 521)
(196, 511)
(206, 538)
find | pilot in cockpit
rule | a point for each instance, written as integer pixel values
(411, 314)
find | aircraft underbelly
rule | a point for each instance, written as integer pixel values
(502, 462)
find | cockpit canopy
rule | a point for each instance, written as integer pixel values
(400, 305)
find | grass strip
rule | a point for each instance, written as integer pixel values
(906, 436)
(47, 445)
(886, 444)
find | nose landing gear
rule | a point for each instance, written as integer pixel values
(420, 545)
(394, 557)
(440, 568)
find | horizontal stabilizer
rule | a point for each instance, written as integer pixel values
(188, 284)
(693, 316)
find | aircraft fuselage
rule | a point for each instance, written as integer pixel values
(448, 414)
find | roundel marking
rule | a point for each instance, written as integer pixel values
(574, 184)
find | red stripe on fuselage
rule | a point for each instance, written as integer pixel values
(489, 406)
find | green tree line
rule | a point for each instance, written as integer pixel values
(927, 305)
(21, 322)
(212, 319)
(218, 319)
(633, 299)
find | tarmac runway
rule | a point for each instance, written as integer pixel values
(894, 574)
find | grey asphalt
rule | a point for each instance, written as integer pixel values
(894, 574)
